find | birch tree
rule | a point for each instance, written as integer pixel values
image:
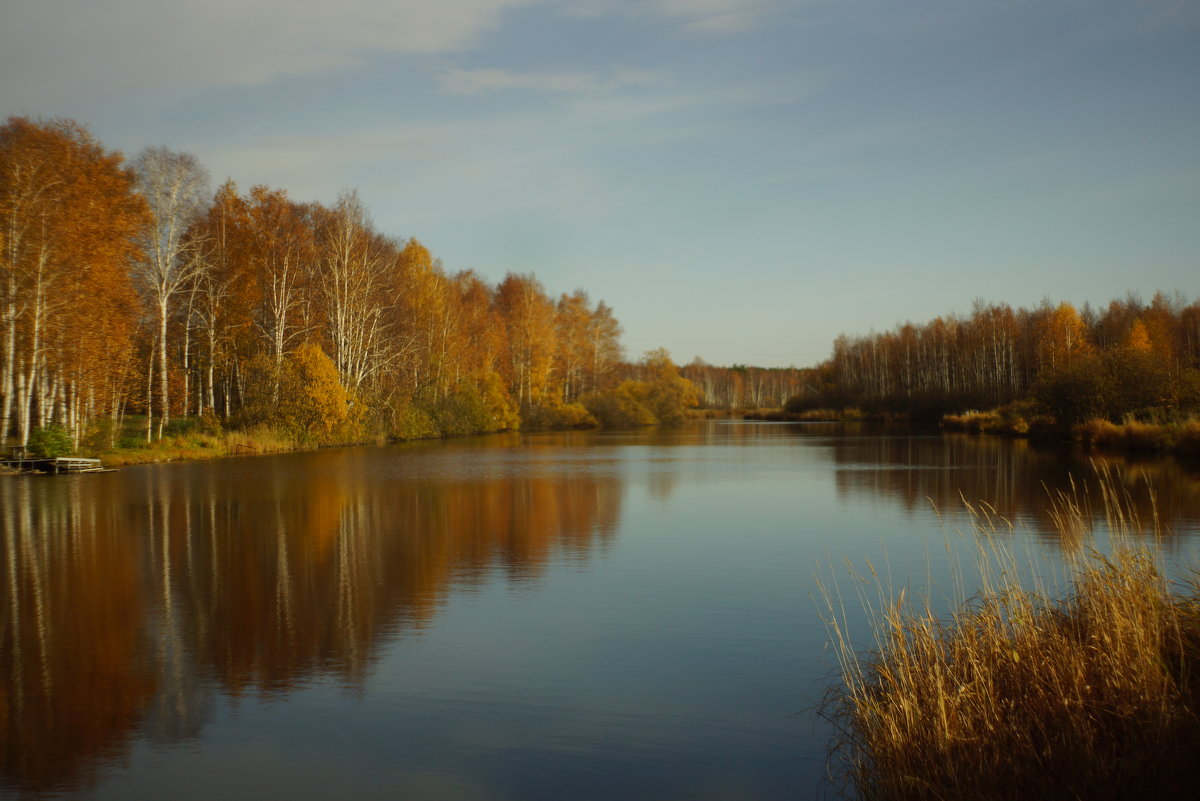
(283, 251)
(69, 224)
(353, 260)
(528, 317)
(175, 187)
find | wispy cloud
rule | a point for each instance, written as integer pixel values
(429, 171)
(718, 16)
(711, 17)
(478, 81)
(67, 50)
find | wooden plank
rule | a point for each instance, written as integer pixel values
(57, 465)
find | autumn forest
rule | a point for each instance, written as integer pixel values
(131, 288)
(1065, 365)
(132, 291)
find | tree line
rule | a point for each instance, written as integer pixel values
(741, 386)
(132, 287)
(1130, 358)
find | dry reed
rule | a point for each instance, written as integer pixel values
(1180, 437)
(1020, 696)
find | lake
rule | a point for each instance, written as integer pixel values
(583, 615)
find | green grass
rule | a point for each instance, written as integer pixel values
(186, 441)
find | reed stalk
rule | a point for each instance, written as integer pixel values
(1022, 692)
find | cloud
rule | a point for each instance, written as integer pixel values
(54, 52)
(478, 81)
(718, 16)
(711, 17)
(432, 171)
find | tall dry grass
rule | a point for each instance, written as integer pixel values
(198, 446)
(1181, 437)
(1023, 693)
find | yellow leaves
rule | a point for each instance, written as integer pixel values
(313, 397)
(1062, 336)
(1138, 338)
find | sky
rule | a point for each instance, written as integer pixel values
(741, 180)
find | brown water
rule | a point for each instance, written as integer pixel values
(582, 616)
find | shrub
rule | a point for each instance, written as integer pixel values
(462, 412)
(51, 441)
(312, 401)
(618, 407)
(209, 422)
(408, 421)
(559, 416)
(1074, 393)
(100, 436)
(500, 406)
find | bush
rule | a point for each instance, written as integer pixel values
(618, 407)
(100, 436)
(409, 421)
(1074, 393)
(462, 412)
(559, 416)
(503, 411)
(209, 422)
(51, 441)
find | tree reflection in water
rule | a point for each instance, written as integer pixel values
(130, 599)
(134, 603)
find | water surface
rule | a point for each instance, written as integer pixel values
(546, 616)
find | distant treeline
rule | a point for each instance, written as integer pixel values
(131, 287)
(736, 387)
(745, 387)
(1130, 359)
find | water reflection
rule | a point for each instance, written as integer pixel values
(1011, 476)
(136, 603)
(131, 599)
(74, 677)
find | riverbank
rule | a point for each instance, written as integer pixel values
(197, 446)
(1180, 438)
(1021, 694)
(190, 442)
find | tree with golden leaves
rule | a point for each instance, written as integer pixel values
(528, 317)
(70, 220)
(227, 293)
(283, 253)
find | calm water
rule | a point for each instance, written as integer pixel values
(560, 616)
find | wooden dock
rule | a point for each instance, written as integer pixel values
(55, 465)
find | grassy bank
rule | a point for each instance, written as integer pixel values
(1091, 693)
(197, 445)
(1180, 437)
(1004, 422)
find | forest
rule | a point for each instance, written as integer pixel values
(133, 291)
(1064, 366)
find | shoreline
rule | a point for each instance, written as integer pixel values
(1180, 440)
(1176, 440)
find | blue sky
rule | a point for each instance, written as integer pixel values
(739, 179)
